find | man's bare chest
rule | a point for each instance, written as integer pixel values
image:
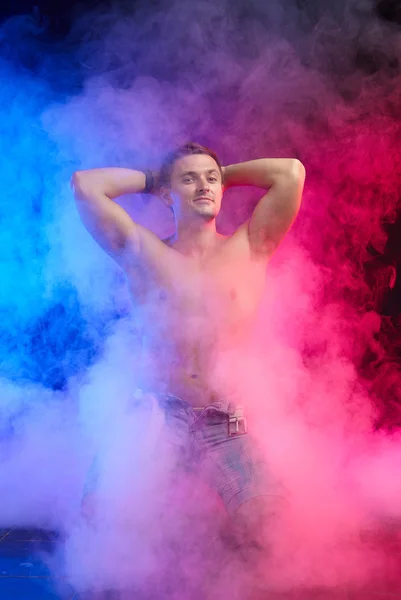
(187, 293)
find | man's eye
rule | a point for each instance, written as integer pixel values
(187, 180)
(212, 179)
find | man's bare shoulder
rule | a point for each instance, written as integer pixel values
(237, 241)
(157, 267)
(152, 245)
(238, 245)
(155, 260)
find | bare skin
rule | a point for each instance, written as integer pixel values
(196, 294)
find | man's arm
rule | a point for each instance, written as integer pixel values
(107, 222)
(276, 210)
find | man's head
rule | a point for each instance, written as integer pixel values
(190, 182)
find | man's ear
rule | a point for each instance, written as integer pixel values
(165, 195)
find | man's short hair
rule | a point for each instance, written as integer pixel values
(186, 150)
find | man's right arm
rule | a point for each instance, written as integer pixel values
(107, 222)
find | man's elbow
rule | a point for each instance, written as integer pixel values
(75, 180)
(291, 172)
(83, 185)
(297, 169)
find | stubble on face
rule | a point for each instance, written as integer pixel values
(197, 186)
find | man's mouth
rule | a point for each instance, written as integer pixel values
(203, 199)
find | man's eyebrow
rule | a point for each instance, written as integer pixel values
(194, 172)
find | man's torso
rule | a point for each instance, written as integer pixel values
(191, 312)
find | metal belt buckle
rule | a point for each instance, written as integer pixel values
(237, 425)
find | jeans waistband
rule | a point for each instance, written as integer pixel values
(221, 406)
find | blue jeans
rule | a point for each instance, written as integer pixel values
(230, 463)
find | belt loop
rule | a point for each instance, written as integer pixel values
(237, 423)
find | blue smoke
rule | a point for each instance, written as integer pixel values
(46, 337)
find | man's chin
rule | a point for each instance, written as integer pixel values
(208, 216)
(207, 212)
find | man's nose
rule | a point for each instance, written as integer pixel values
(204, 185)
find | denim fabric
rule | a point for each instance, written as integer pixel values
(233, 465)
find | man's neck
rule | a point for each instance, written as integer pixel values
(196, 239)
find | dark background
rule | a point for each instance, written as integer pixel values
(60, 15)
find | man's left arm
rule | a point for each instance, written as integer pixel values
(283, 178)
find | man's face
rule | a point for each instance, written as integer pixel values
(196, 187)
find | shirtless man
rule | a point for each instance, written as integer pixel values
(197, 294)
